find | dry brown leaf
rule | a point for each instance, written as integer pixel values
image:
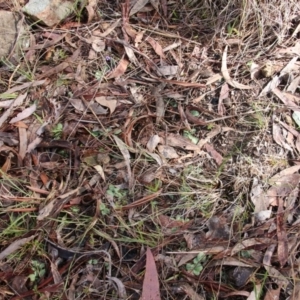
(22, 87)
(8, 139)
(59, 68)
(110, 28)
(190, 292)
(109, 102)
(21, 124)
(293, 85)
(277, 277)
(250, 243)
(97, 109)
(273, 294)
(98, 44)
(91, 9)
(272, 84)
(213, 79)
(34, 144)
(10, 149)
(289, 128)
(153, 142)
(167, 222)
(191, 118)
(287, 98)
(168, 70)
(164, 7)
(6, 103)
(232, 261)
(238, 293)
(148, 176)
(14, 246)
(279, 138)
(119, 70)
(183, 117)
(124, 150)
(216, 130)
(283, 184)
(142, 201)
(254, 71)
(227, 77)
(23, 142)
(167, 152)
(156, 47)
(55, 273)
(24, 114)
(258, 197)
(156, 157)
(18, 101)
(138, 5)
(182, 83)
(297, 144)
(289, 67)
(281, 174)
(139, 38)
(55, 70)
(130, 31)
(160, 104)
(224, 94)
(19, 284)
(282, 247)
(136, 93)
(6, 166)
(296, 292)
(131, 55)
(122, 295)
(290, 51)
(176, 140)
(78, 104)
(151, 284)
(100, 171)
(218, 228)
(214, 154)
(55, 38)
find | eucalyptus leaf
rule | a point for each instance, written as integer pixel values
(296, 117)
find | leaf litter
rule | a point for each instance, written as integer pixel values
(141, 141)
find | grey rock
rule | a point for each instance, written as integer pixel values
(49, 12)
(13, 35)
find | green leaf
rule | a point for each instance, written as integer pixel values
(195, 113)
(197, 270)
(32, 277)
(188, 135)
(201, 257)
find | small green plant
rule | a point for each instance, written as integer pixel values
(191, 136)
(38, 269)
(99, 75)
(210, 126)
(59, 54)
(155, 185)
(197, 266)
(104, 210)
(57, 131)
(116, 192)
(232, 30)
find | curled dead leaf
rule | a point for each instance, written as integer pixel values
(227, 77)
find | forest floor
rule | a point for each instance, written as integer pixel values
(150, 150)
